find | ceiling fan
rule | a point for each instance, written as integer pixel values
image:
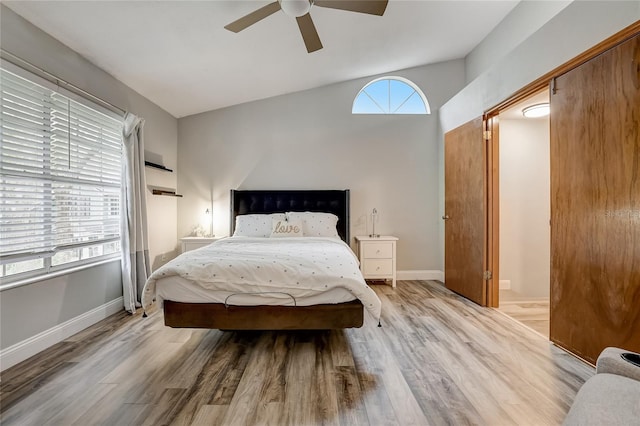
(300, 10)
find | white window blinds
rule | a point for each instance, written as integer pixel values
(60, 167)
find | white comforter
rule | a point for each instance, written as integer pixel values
(299, 267)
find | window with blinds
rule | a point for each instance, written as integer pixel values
(60, 179)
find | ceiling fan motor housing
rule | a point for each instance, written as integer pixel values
(295, 8)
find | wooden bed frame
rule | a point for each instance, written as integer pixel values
(316, 317)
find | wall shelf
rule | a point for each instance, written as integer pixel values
(157, 166)
(164, 192)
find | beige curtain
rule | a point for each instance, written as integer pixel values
(135, 242)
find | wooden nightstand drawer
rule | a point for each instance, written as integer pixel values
(382, 250)
(193, 243)
(378, 267)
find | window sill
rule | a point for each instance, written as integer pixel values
(51, 275)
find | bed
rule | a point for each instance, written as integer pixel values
(248, 282)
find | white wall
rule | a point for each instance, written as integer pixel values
(573, 30)
(34, 308)
(31, 309)
(525, 19)
(525, 258)
(310, 140)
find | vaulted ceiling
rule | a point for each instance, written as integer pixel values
(178, 54)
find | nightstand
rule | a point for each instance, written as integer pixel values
(377, 257)
(192, 243)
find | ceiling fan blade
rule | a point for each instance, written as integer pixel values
(253, 17)
(309, 33)
(372, 7)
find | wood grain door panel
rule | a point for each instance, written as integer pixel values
(465, 208)
(595, 204)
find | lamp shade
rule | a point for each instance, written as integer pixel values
(295, 8)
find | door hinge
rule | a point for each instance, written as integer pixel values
(488, 275)
(487, 135)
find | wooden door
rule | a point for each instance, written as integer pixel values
(465, 211)
(595, 204)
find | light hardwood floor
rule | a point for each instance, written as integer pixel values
(532, 312)
(437, 359)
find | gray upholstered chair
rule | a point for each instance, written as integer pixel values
(612, 396)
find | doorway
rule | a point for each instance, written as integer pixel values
(593, 173)
(524, 204)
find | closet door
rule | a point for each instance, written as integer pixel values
(595, 204)
(465, 211)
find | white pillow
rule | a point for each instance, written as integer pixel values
(256, 225)
(286, 228)
(316, 224)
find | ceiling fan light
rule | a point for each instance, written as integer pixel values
(295, 8)
(537, 110)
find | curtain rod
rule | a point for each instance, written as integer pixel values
(28, 66)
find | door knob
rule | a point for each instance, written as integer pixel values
(445, 217)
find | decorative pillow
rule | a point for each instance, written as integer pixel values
(316, 224)
(256, 225)
(286, 228)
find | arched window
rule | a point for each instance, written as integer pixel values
(390, 95)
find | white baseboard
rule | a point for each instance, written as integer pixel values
(505, 284)
(425, 275)
(41, 341)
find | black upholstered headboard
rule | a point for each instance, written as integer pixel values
(274, 201)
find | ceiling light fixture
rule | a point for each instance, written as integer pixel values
(295, 8)
(537, 110)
